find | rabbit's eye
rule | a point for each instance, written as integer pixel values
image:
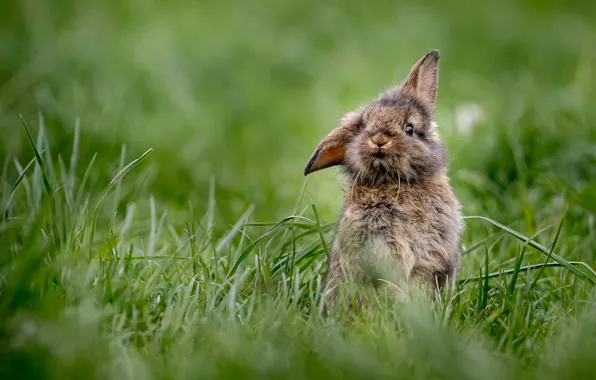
(409, 130)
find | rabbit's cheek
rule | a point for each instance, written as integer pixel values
(353, 158)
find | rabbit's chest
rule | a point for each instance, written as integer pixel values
(392, 229)
(386, 221)
(362, 255)
(370, 233)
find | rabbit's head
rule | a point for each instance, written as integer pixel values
(391, 139)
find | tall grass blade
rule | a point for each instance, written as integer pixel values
(211, 210)
(16, 186)
(320, 230)
(84, 181)
(223, 242)
(44, 177)
(74, 157)
(251, 246)
(521, 269)
(520, 259)
(550, 252)
(114, 180)
(118, 189)
(564, 263)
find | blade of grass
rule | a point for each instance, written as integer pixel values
(552, 247)
(321, 236)
(25, 182)
(518, 262)
(74, 157)
(293, 231)
(16, 186)
(480, 243)
(301, 196)
(153, 230)
(326, 228)
(250, 247)
(36, 180)
(66, 188)
(45, 148)
(114, 180)
(84, 181)
(539, 247)
(234, 231)
(304, 226)
(4, 175)
(521, 269)
(77, 204)
(118, 189)
(44, 177)
(483, 291)
(211, 210)
(520, 258)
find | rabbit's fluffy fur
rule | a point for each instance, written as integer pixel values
(400, 219)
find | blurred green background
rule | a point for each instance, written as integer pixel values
(239, 93)
(242, 91)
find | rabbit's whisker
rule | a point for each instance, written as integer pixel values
(354, 184)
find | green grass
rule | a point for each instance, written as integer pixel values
(155, 222)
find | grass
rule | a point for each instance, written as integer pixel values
(146, 297)
(205, 257)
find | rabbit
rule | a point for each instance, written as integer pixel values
(401, 221)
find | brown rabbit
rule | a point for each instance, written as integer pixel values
(400, 220)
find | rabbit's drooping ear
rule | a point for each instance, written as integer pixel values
(331, 149)
(423, 80)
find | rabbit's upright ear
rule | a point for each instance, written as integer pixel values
(331, 149)
(423, 80)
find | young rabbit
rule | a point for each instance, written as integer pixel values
(400, 220)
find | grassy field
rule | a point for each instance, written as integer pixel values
(156, 222)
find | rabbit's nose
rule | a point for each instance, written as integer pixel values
(380, 139)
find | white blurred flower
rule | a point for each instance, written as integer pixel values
(467, 116)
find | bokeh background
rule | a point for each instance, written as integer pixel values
(233, 96)
(242, 91)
